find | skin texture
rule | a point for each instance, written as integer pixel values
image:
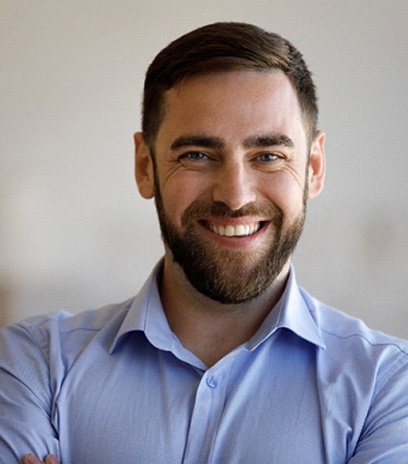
(30, 459)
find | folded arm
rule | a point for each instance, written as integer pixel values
(26, 398)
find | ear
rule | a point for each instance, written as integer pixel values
(317, 165)
(143, 167)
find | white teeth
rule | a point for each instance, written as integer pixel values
(240, 230)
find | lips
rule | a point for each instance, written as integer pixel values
(239, 230)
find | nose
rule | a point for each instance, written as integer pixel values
(234, 186)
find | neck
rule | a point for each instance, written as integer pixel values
(207, 328)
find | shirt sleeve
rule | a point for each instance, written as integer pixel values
(385, 435)
(26, 397)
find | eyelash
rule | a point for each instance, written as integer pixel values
(271, 156)
(193, 155)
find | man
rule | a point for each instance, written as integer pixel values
(221, 357)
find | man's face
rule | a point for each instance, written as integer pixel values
(231, 180)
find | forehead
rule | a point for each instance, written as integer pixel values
(228, 104)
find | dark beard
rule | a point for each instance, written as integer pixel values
(229, 277)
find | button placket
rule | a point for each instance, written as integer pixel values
(208, 408)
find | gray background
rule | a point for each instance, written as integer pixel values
(74, 232)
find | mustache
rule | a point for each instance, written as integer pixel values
(219, 209)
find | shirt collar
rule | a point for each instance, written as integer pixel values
(146, 308)
(298, 314)
(146, 314)
(292, 313)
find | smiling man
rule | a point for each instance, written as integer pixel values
(221, 357)
(235, 144)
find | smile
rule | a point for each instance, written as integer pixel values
(240, 230)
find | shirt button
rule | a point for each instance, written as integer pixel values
(211, 382)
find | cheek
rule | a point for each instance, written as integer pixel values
(178, 195)
(287, 194)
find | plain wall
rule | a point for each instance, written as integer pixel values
(74, 232)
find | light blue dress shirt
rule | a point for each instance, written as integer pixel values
(115, 385)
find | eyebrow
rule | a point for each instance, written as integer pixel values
(197, 140)
(268, 140)
(255, 141)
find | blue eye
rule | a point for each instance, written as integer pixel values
(196, 156)
(267, 157)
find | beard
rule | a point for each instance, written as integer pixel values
(229, 276)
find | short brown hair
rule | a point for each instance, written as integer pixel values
(225, 46)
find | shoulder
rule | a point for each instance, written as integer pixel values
(356, 348)
(334, 324)
(363, 379)
(60, 335)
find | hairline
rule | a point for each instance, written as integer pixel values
(310, 132)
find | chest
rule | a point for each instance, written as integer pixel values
(146, 405)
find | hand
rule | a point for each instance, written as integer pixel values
(30, 459)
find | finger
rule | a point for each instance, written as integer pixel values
(50, 459)
(30, 459)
